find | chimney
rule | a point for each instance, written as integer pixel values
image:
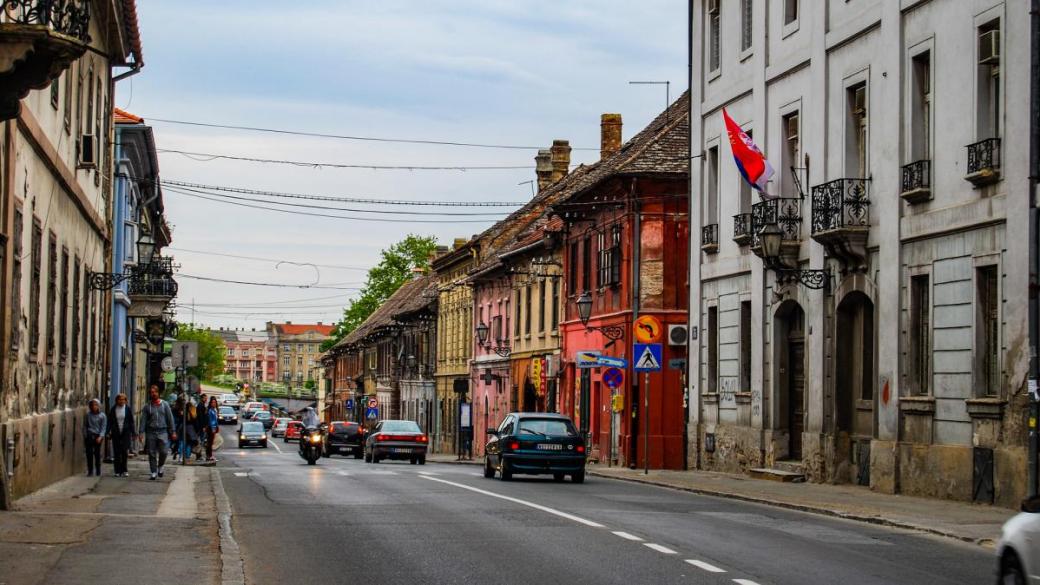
(561, 159)
(460, 242)
(609, 135)
(418, 272)
(320, 323)
(543, 168)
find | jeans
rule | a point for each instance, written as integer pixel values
(93, 456)
(156, 445)
(120, 447)
(210, 436)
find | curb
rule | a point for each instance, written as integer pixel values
(878, 520)
(232, 570)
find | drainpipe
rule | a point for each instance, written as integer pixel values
(1034, 257)
(637, 238)
(689, 255)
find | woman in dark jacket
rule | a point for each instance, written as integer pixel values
(94, 431)
(121, 431)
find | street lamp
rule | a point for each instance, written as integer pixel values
(110, 280)
(145, 250)
(482, 333)
(611, 332)
(772, 240)
(584, 308)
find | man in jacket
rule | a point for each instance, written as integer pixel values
(157, 426)
(122, 432)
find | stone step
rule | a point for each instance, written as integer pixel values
(776, 475)
(790, 465)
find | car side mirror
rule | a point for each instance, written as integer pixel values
(492, 432)
(1031, 505)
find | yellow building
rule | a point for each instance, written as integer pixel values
(454, 340)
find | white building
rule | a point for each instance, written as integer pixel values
(906, 370)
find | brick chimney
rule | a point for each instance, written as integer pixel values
(543, 168)
(459, 242)
(561, 159)
(609, 135)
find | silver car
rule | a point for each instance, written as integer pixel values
(1018, 551)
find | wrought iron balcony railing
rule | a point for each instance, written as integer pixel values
(984, 161)
(840, 204)
(154, 279)
(742, 228)
(68, 17)
(786, 212)
(710, 238)
(917, 181)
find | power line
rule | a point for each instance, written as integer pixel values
(209, 156)
(275, 260)
(279, 285)
(270, 303)
(349, 137)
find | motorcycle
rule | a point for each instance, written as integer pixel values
(310, 445)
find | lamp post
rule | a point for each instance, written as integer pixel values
(482, 333)
(772, 240)
(611, 332)
(482, 338)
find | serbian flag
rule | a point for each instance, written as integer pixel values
(751, 163)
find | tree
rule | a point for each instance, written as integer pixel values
(211, 351)
(394, 269)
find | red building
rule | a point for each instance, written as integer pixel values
(626, 247)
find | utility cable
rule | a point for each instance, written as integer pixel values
(209, 156)
(272, 260)
(272, 284)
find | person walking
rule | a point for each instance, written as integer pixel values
(212, 427)
(122, 433)
(178, 424)
(157, 427)
(94, 429)
(189, 441)
(201, 422)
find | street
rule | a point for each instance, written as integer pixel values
(444, 523)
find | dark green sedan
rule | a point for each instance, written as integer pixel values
(535, 443)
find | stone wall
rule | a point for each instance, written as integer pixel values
(47, 448)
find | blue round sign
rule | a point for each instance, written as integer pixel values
(613, 378)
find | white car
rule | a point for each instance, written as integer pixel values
(1018, 551)
(229, 400)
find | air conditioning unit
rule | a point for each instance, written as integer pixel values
(989, 47)
(678, 334)
(713, 6)
(88, 151)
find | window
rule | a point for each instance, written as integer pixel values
(63, 334)
(711, 202)
(231, 352)
(790, 154)
(75, 309)
(496, 329)
(286, 361)
(35, 287)
(988, 83)
(714, 58)
(745, 24)
(586, 263)
(609, 272)
(68, 98)
(16, 280)
(92, 345)
(527, 310)
(987, 331)
(299, 347)
(921, 107)
(555, 303)
(88, 119)
(745, 346)
(856, 131)
(516, 316)
(713, 350)
(920, 334)
(541, 305)
(572, 277)
(52, 293)
(790, 11)
(55, 92)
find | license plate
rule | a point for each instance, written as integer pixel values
(402, 450)
(549, 447)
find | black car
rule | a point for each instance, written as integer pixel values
(535, 443)
(252, 433)
(227, 415)
(396, 439)
(264, 417)
(344, 437)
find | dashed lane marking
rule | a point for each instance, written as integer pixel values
(706, 566)
(343, 473)
(744, 582)
(276, 447)
(659, 548)
(546, 509)
(241, 474)
(628, 536)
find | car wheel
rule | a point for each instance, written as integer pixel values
(239, 444)
(558, 477)
(357, 454)
(264, 444)
(506, 471)
(413, 461)
(422, 460)
(578, 477)
(489, 471)
(368, 457)
(1011, 571)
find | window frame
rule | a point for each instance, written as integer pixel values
(988, 313)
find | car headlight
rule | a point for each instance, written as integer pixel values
(265, 436)
(315, 438)
(241, 436)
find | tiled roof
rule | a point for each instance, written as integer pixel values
(124, 117)
(298, 329)
(133, 30)
(407, 299)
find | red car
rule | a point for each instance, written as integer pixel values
(293, 430)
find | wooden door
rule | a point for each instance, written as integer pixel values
(796, 393)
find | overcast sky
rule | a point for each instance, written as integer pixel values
(482, 71)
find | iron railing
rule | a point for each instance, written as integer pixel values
(841, 203)
(710, 235)
(742, 228)
(154, 279)
(984, 156)
(785, 212)
(68, 17)
(917, 175)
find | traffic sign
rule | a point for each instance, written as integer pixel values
(372, 402)
(167, 364)
(185, 354)
(372, 413)
(613, 378)
(647, 329)
(647, 357)
(536, 374)
(587, 359)
(612, 362)
(349, 404)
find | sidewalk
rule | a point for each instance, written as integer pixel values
(115, 530)
(973, 523)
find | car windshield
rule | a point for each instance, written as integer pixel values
(338, 427)
(252, 427)
(400, 426)
(547, 427)
(227, 410)
(230, 397)
(262, 414)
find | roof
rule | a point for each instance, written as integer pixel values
(299, 329)
(407, 299)
(133, 30)
(124, 117)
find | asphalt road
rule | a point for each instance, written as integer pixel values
(388, 523)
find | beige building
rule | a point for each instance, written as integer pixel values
(55, 193)
(298, 350)
(454, 339)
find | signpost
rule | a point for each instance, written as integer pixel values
(183, 355)
(647, 329)
(592, 359)
(647, 359)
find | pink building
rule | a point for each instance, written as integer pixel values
(493, 394)
(250, 356)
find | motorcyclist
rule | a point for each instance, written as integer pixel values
(310, 425)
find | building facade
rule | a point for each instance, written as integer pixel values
(251, 355)
(868, 323)
(454, 341)
(298, 349)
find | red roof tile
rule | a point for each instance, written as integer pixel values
(124, 117)
(297, 329)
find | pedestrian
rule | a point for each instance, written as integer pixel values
(201, 421)
(178, 423)
(122, 433)
(191, 439)
(94, 429)
(157, 427)
(212, 427)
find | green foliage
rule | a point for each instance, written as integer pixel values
(310, 385)
(211, 351)
(394, 269)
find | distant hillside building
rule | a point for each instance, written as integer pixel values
(251, 356)
(297, 348)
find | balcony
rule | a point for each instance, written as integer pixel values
(841, 220)
(39, 39)
(984, 162)
(710, 238)
(151, 287)
(742, 229)
(917, 182)
(786, 213)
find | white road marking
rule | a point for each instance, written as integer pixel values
(659, 548)
(628, 536)
(343, 473)
(427, 473)
(382, 472)
(179, 501)
(744, 582)
(275, 445)
(706, 566)
(571, 517)
(241, 474)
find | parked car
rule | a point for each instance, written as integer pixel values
(293, 431)
(227, 415)
(396, 439)
(1018, 551)
(278, 428)
(231, 400)
(263, 417)
(252, 433)
(344, 437)
(535, 443)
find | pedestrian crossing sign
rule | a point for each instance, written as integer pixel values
(647, 357)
